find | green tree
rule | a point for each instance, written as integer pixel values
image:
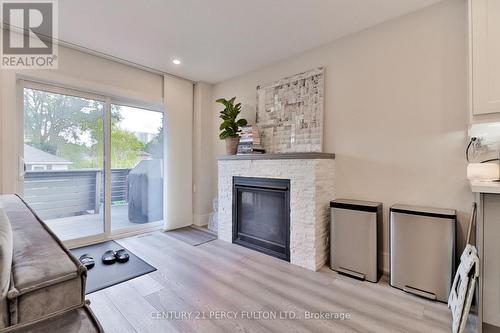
(125, 149)
(72, 128)
(54, 119)
(155, 146)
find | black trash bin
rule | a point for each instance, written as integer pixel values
(145, 192)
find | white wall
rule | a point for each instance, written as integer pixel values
(395, 109)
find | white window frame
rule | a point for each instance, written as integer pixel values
(38, 167)
(108, 233)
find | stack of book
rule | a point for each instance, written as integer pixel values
(250, 141)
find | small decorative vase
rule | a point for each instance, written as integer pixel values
(232, 144)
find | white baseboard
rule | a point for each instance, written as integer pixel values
(201, 219)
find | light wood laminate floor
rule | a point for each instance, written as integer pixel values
(228, 287)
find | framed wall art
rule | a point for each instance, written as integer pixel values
(290, 113)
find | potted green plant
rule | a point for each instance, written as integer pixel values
(230, 127)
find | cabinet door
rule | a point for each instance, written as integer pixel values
(485, 42)
(491, 259)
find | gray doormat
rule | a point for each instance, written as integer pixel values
(102, 276)
(192, 236)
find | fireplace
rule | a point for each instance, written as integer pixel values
(310, 181)
(261, 215)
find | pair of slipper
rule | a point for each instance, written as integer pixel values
(108, 258)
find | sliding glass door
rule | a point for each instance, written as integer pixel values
(137, 166)
(63, 158)
(93, 168)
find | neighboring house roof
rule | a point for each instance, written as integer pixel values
(34, 155)
(145, 154)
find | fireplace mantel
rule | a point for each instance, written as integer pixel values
(282, 156)
(311, 178)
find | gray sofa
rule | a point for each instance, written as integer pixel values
(42, 285)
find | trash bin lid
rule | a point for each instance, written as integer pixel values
(367, 206)
(424, 211)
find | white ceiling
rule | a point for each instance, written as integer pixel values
(217, 39)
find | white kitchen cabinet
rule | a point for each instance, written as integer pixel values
(491, 259)
(487, 197)
(484, 71)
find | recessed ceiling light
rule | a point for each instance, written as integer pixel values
(176, 62)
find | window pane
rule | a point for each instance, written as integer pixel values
(137, 166)
(63, 154)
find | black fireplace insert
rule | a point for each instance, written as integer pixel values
(261, 215)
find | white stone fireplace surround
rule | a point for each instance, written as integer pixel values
(311, 178)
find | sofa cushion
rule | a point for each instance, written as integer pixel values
(5, 266)
(46, 278)
(80, 320)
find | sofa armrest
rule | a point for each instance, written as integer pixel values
(77, 320)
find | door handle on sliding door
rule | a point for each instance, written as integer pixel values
(22, 168)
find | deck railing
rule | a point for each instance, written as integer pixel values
(64, 193)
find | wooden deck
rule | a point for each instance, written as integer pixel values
(88, 225)
(217, 280)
